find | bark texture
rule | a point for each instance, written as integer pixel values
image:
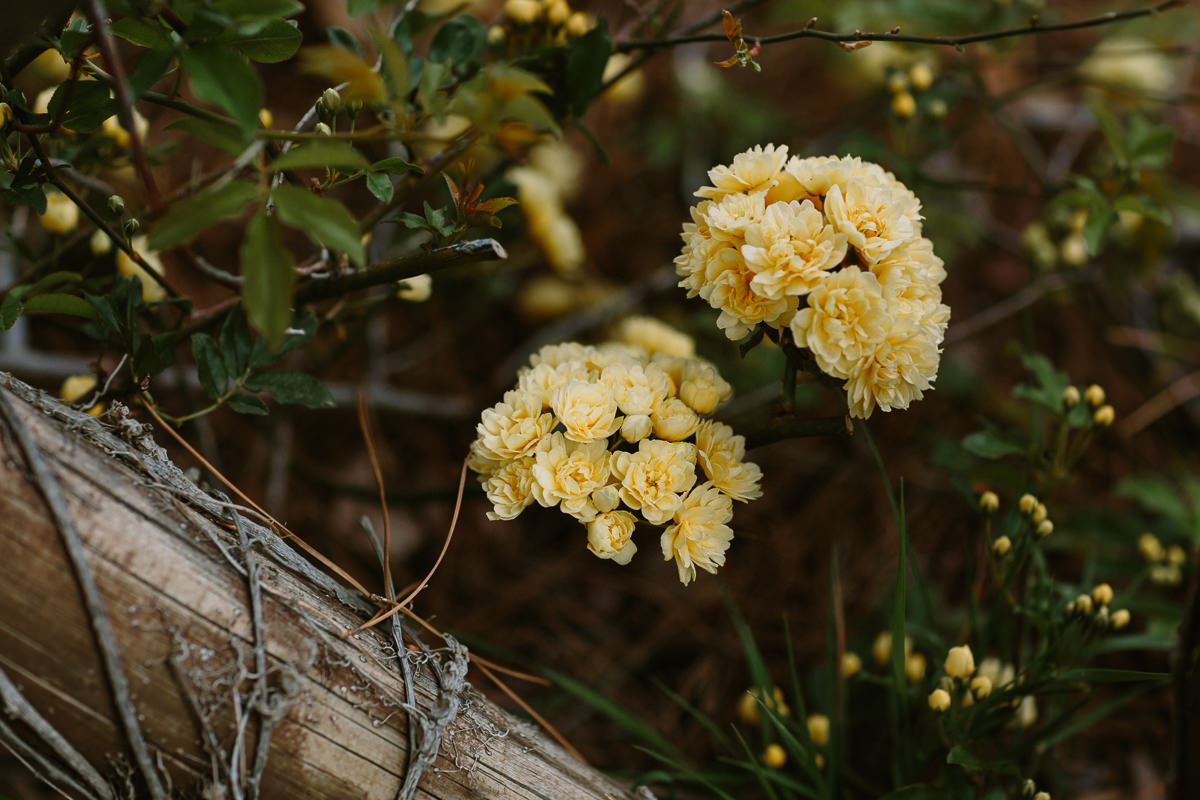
(238, 683)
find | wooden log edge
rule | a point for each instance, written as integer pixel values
(332, 715)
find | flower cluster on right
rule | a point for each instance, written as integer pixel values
(829, 249)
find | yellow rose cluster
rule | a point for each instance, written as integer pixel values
(615, 435)
(830, 250)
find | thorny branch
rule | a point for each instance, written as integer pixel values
(48, 488)
(894, 35)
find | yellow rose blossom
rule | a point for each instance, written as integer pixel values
(654, 479)
(1131, 68)
(555, 354)
(903, 365)
(61, 214)
(586, 410)
(754, 170)
(544, 379)
(674, 420)
(702, 387)
(845, 321)
(729, 291)
(791, 249)
(509, 489)
(636, 427)
(960, 662)
(873, 217)
(513, 427)
(638, 388)
(152, 290)
(610, 536)
(567, 472)
(700, 535)
(655, 337)
(719, 455)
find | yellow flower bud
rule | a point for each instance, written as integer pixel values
(1027, 503)
(1150, 548)
(1001, 546)
(1083, 604)
(989, 502)
(937, 108)
(416, 289)
(818, 729)
(1044, 529)
(61, 214)
(322, 129)
(981, 685)
(265, 117)
(1039, 513)
(1102, 593)
(1070, 397)
(921, 75)
(960, 662)
(882, 649)
(903, 105)
(578, 24)
(1176, 555)
(774, 756)
(1042, 796)
(897, 82)
(152, 290)
(636, 427)
(100, 244)
(1073, 250)
(747, 708)
(606, 499)
(1104, 416)
(1120, 618)
(819, 760)
(1027, 712)
(496, 35)
(939, 700)
(1094, 395)
(6, 114)
(914, 667)
(851, 664)
(522, 12)
(558, 12)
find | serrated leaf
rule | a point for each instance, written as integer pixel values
(226, 137)
(586, 59)
(380, 185)
(220, 75)
(91, 103)
(325, 221)
(187, 218)
(210, 366)
(58, 303)
(291, 388)
(244, 403)
(991, 445)
(342, 155)
(276, 41)
(269, 277)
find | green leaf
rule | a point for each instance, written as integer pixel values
(1098, 675)
(357, 8)
(235, 341)
(12, 306)
(397, 165)
(1137, 641)
(91, 103)
(245, 9)
(187, 218)
(1100, 219)
(585, 67)
(269, 277)
(291, 388)
(1050, 382)
(151, 68)
(244, 403)
(321, 154)
(228, 138)
(325, 221)
(56, 303)
(991, 445)
(380, 185)
(1155, 494)
(140, 31)
(276, 41)
(220, 75)
(1112, 131)
(1149, 144)
(460, 42)
(342, 38)
(210, 366)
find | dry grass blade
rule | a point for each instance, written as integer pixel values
(558, 737)
(364, 423)
(305, 546)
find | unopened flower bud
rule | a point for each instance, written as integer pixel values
(496, 35)
(818, 729)
(1119, 619)
(330, 103)
(578, 24)
(1073, 250)
(522, 12)
(1102, 593)
(981, 685)
(882, 649)
(100, 244)
(1070, 397)
(1150, 547)
(851, 664)
(266, 118)
(897, 82)
(321, 129)
(1101, 617)
(1028, 788)
(1083, 604)
(416, 289)
(914, 667)
(921, 75)
(1001, 546)
(1027, 503)
(989, 502)
(939, 700)
(937, 108)
(1038, 514)
(1176, 555)
(606, 498)
(960, 662)
(6, 114)
(1104, 416)
(774, 756)
(557, 12)
(132, 226)
(116, 204)
(1094, 395)
(903, 105)
(1044, 529)
(1042, 796)
(636, 427)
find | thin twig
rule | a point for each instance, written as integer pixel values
(42, 767)
(401, 268)
(15, 706)
(106, 640)
(1181, 391)
(97, 15)
(1032, 29)
(1011, 305)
